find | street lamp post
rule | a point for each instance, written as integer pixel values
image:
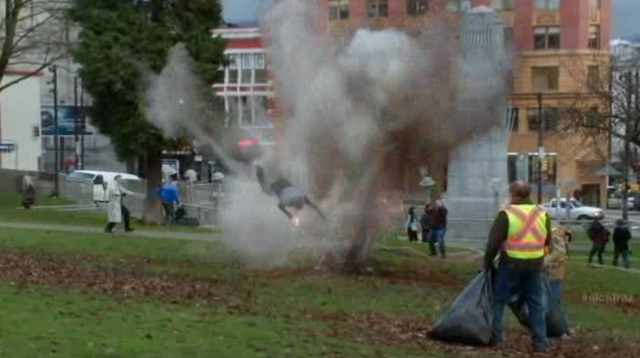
(76, 120)
(541, 124)
(84, 127)
(54, 81)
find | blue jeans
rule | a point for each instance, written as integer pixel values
(556, 295)
(625, 258)
(511, 280)
(437, 237)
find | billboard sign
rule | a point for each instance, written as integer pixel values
(66, 121)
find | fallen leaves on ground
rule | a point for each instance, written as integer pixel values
(391, 330)
(40, 269)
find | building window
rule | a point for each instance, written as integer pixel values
(246, 72)
(339, 9)
(549, 166)
(593, 118)
(594, 37)
(233, 70)
(513, 119)
(593, 78)
(546, 38)
(417, 7)
(378, 8)
(548, 5)
(549, 116)
(506, 5)
(458, 5)
(508, 36)
(595, 5)
(545, 78)
(261, 76)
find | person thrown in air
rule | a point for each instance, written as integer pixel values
(288, 195)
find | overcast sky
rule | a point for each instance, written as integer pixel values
(244, 10)
(626, 18)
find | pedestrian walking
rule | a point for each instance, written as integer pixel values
(621, 237)
(439, 228)
(599, 236)
(426, 222)
(117, 212)
(519, 236)
(28, 192)
(411, 225)
(555, 264)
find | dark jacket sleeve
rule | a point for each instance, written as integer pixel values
(497, 236)
(547, 226)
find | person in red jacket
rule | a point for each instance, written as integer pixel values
(599, 236)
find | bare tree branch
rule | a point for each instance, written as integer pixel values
(35, 36)
(604, 108)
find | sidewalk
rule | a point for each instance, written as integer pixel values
(154, 234)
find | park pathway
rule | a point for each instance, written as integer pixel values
(475, 247)
(155, 234)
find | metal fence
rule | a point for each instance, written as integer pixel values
(190, 193)
(78, 190)
(206, 215)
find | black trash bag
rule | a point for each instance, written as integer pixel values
(469, 318)
(556, 323)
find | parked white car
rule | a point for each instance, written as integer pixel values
(573, 210)
(100, 181)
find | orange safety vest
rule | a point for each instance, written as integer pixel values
(527, 232)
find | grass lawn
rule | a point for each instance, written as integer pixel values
(86, 295)
(11, 211)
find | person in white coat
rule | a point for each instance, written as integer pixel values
(116, 210)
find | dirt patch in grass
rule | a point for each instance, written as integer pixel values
(411, 332)
(40, 269)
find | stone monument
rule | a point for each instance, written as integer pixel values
(477, 176)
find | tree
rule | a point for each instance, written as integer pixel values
(33, 36)
(116, 37)
(609, 104)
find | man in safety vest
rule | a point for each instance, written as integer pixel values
(520, 234)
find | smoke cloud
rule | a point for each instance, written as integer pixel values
(353, 113)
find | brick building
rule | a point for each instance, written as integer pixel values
(245, 88)
(558, 44)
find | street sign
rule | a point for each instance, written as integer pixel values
(7, 147)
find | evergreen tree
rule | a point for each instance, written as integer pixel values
(115, 36)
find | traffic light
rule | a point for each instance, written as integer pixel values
(35, 131)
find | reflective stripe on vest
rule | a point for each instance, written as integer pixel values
(527, 232)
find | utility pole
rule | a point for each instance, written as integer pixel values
(54, 81)
(541, 123)
(627, 148)
(84, 126)
(76, 120)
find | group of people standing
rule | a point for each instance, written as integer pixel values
(432, 223)
(599, 236)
